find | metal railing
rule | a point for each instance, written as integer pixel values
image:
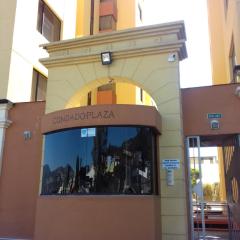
(216, 220)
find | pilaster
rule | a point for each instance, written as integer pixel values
(5, 105)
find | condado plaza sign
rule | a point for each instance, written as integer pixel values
(82, 115)
(102, 115)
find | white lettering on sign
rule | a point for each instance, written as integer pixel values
(171, 164)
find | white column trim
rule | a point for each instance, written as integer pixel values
(5, 105)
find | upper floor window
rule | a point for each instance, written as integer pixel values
(39, 86)
(48, 23)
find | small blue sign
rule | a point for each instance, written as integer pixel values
(88, 132)
(171, 164)
(214, 115)
(84, 132)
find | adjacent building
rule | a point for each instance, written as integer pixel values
(24, 26)
(224, 30)
(224, 21)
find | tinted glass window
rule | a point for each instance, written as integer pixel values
(103, 160)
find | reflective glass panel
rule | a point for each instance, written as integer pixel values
(102, 160)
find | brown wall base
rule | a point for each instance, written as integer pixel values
(97, 218)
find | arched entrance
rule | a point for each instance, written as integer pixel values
(147, 57)
(110, 90)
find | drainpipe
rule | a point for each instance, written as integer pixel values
(5, 105)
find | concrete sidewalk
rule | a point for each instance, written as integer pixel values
(212, 236)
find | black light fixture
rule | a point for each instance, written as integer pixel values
(106, 58)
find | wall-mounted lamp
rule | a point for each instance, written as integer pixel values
(106, 58)
(27, 135)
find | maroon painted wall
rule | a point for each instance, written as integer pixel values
(98, 218)
(19, 181)
(198, 102)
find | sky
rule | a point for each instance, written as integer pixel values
(196, 69)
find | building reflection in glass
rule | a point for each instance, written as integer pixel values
(102, 160)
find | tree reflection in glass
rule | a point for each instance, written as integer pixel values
(114, 160)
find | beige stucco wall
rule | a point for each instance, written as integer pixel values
(143, 62)
(22, 39)
(7, 17)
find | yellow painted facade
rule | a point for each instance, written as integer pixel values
(128, 15)
(83, 17)
(224, 30)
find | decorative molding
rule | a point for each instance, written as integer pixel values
(157, 30)
(5, 106)
(150, 40)
(70, 59)
(5, 124)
